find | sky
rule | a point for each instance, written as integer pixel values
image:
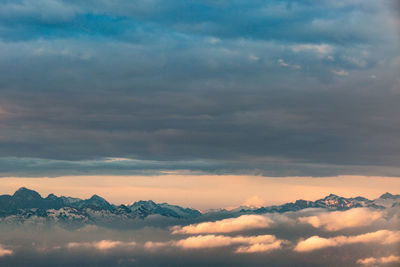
(205, 192)
(142, 88)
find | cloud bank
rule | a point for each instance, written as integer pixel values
(275, 88)
(316, 242)
(4, 251)
(283, 239)
(102, 245)
(371, 261)
(247, 244)
(242, 223)
(337, 220)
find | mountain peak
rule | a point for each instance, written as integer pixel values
(144, 203)
(26, 193)
(331, 196)
(97, 197)
(99, 202)
(387, 195)
(52, 197)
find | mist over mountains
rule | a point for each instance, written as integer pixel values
(28, 206)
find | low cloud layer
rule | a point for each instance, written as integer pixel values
(244, 244)
(371, 261)
(242, 223)
(209, 241)
(102, 245)
(250, 240)
(326, 220)
(4, 251)
(316, 242)
(337, 220)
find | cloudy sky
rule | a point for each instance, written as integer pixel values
(148, 87)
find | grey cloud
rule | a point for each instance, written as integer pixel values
(136, 82)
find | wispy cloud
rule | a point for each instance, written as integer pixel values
(340, 72)
(283, 63)
(318, 49)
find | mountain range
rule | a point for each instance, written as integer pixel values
(28, 206)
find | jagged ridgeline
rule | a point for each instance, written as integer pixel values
(26, 206)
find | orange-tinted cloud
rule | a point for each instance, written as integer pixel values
(247, 244)
(244, 222)
(371, 261)
(259, 247)
(316, 242)
(254, 201)
(4, 251)
(333, 221)
(102, 245)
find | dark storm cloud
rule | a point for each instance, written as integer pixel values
(273, 87)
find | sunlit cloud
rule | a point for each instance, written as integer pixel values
(205, 241)
(316, 242)
(4, 251)
(336, 220)
(371, 261)
(244, 222)
(254, 201)
(102, 245)
(246, 244)
(156, 245)
(259, 247)
(251, 244)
